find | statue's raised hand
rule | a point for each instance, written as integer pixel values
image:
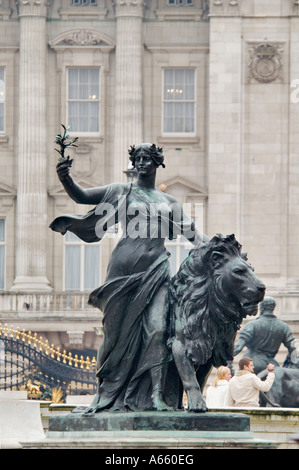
(63, 168)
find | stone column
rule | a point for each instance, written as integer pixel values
(31, 223)
(225, 165)
(128, 86)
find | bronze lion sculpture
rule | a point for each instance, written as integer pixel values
(214, 289)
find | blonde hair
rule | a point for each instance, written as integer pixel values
(220, 374)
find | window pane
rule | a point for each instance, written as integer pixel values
(179, 104)
(91, 267)
(72, 267)
(83, 99)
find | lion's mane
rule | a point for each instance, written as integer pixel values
(208, 323)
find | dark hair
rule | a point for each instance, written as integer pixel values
(156, 153)
(244, 362)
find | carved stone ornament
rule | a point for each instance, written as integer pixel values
(265, 64)
(81, 37)
(33, 7)
(225, 7)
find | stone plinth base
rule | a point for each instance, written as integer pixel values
(150, 421)
(150, 430)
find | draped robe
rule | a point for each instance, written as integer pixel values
(131, 347)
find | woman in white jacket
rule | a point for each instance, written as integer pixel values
(217, 392)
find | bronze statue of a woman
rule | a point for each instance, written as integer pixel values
(133, 356)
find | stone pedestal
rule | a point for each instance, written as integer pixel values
(150, 430)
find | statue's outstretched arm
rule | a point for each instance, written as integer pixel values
(74, 190)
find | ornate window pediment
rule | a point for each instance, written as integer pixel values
(82, 37)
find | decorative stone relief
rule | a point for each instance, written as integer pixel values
(129, 7)
(225, 7)
(33, 7)
(84, 164)
(82, 38)
(265, 64)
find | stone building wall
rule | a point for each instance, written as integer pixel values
(238, 168)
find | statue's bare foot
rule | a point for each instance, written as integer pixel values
(159, 403)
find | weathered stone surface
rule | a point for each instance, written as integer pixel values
(145, 421)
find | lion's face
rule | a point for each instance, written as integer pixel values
(236, 284)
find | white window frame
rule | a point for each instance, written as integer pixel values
(3, 244)
(3, 97)
(82, 245)
(180, 134)
(98, 100)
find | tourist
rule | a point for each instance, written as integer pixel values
(217, 392)
(245, 386)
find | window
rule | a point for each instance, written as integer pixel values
(2, 99)
(180, 2)
(84, 99)
(179, 101)
(81, 264)
(83, 2)
(179, 250)
(2, 254)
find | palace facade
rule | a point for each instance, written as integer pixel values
(215, 83)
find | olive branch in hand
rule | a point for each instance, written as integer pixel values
(64, 142)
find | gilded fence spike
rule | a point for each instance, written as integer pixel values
(35, 340)
(18, 333)
(82, 362)
(64, 356)
(11, 331)
(76, 360)
(58, 354)
(70, 359)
